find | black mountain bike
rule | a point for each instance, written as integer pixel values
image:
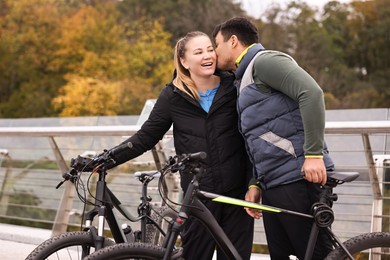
(78, 244)
(322, 217)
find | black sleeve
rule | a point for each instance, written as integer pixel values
(151, 132)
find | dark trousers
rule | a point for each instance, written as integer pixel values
(288, 234)
(198, 244)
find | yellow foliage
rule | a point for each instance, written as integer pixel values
(86, 58)
(150, 56)
(88, 96)
(122, 64)
(83, 96)
(93, 43)
(29, 31)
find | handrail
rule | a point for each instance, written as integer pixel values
(363, 128)
(342, 127)
(358, 127)
(62, 219)
(60, 131)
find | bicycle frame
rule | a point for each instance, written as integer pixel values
(105, 202)
(192, 206)
(315, 227)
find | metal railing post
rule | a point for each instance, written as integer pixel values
(377, 204)
(61, 220)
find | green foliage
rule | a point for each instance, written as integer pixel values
(150, 57)
(41, 164)
(23, 209)
(345, 48)
(180, 17)
(371, 29)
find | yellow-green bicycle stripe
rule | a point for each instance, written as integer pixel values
(247, 204)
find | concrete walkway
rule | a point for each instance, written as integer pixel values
(16, 242)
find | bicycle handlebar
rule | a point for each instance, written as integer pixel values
(180, 162)
(196, 156)
(107, 160)
(120, 148)
(84, 164)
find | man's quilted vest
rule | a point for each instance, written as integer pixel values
(272, 126)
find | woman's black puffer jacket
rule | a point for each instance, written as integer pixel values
(195, 130)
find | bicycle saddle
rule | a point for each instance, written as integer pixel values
(341, 177)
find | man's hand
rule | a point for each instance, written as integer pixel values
(314, 170)
(253, 195)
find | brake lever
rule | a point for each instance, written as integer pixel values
(60, 184)
(69, 175)
(104, 159)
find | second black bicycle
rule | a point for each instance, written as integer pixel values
(93, 234)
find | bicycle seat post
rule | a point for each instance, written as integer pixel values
(323, 217)
(327, 196)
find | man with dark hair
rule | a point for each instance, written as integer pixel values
(282, 118)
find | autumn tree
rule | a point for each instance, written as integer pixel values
(124, 63)
(28, 30)
(46, 45)
(86, 96)
(55, 53)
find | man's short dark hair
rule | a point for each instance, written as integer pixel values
(244, 29)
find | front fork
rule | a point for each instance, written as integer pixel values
(170, 242)
(96, 233)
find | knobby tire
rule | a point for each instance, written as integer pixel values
(51, 248)
(128, 251)
(356, 245)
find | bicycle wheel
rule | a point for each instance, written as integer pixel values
(359, 246)
(163, 217)
(69, 245)
(128, 251)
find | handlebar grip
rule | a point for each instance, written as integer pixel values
(121, 148)
(198, 156)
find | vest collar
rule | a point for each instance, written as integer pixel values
(247, 59)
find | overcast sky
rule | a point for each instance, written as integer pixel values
(256, 7)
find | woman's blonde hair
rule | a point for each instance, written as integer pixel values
(183, 79)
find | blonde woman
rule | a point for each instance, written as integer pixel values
(200, 103)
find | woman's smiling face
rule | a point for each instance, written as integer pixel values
(199, 56)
